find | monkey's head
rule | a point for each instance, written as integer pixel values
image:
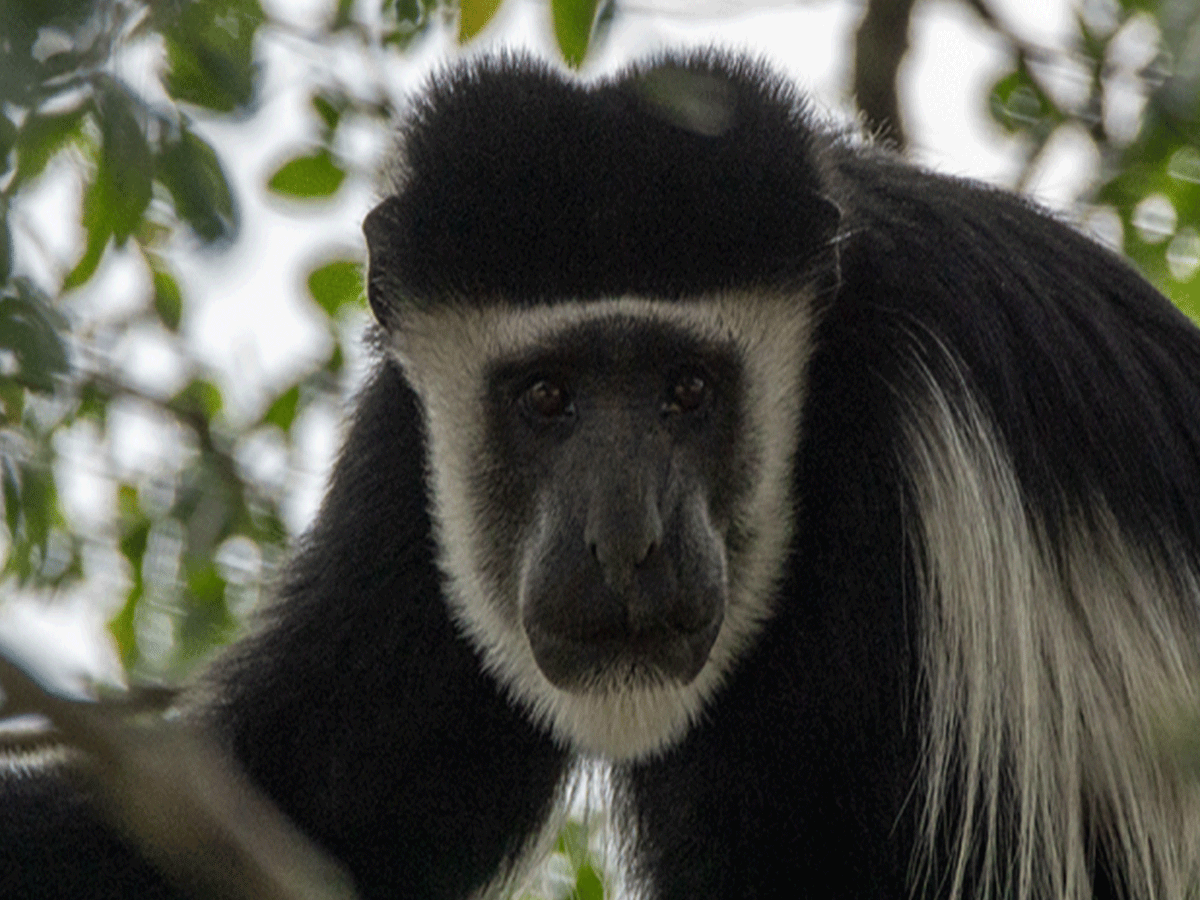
(611, 406)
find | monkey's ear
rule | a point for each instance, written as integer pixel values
(382, 229)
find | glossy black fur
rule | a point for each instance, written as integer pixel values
(366, 716)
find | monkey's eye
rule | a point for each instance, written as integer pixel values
(545, 399)
(688, 393)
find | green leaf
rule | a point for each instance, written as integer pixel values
(336, 284)
(42, 136)
(38, 503)
(12, 401)
(200, 397)
(93, 252)
(121, 186)
(31, 329)
(5, 246)
(336, 360)
(12, 495)
(207, 621)
(341, 15)
(134, 528)
(283, 411)
(168, 299)
(210, 53)
(474, 16)
(314, 175)
(1016, 103)
(329, 113)
(573, 23)
(190, 170)
(8, 137)
(588, 884)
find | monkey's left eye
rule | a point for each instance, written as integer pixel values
(545, 399)
(688, 393)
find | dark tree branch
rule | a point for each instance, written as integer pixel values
(880, 45)
(181, 798)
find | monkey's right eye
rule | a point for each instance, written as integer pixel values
(545, 399)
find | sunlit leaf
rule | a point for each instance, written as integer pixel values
(282, 412)
(588, 884)
(474, 16)
(336, 284)
(93, 252)
(313, 175)
(573, 22)
(200, 397)
(168, 299)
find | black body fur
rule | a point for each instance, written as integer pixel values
(366, 716)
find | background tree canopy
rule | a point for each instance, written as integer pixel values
(192, 535)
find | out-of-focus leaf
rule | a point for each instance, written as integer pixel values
(341, 15)
(200, 397)
(474, 16)
(207, 621)
(93, 402)
(573, 22)
(588, 884)
(8, 137)
(5, 245)
(191, 171)
(119, 191)
(12, 495)
(122, 182)
(336, 284)
(12, 401)
(314, 175)
(168, 299)
(282, 412)
(134, 528)
(337, 359)
(329, 112)
(42, 136)
(30, 328)
(1016, 102)
(93, 252)
(38, 502)
(210, 53)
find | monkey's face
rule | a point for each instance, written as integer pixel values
(610, 483)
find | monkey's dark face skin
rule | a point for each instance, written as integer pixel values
(616, 443)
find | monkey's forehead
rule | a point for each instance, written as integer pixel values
(453, 345)
(681, 175)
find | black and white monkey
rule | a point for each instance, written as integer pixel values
(852, 513)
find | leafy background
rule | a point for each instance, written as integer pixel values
(198, 525)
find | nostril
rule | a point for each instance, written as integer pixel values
(651, 549)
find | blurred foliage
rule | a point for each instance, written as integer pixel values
(1129, 81)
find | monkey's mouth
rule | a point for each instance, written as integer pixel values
(619, 659)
